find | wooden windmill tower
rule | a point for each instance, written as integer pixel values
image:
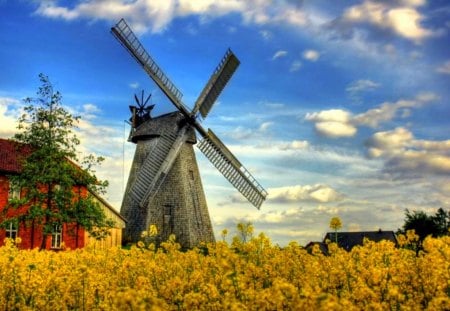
(164, 186)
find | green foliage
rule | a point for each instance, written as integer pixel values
(50, 180)
(424, 225)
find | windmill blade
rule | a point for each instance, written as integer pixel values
(220, 77)
(128, 39)
(157, 165)
(136, 99)
(148, 98)
(230, 167)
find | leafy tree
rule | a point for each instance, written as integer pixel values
(335, 224)
(424, 225)
(52, 184)
(442, 222)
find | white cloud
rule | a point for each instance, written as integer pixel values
(49, 9)
(311, 55)
(361, 86)
(444, 68)
(294, 145)
(265, 126)
(403, 154)
(335, 129)
(333, 115)
(267, 35)
(134, 85)
(336, 123)
(404, 20)
(316, 193)
(155, 16)
(279, 54)
(388, 111)
(332, 123)
(9, 113)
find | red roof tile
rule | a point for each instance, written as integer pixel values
(10, 154)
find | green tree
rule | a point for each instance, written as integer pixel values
(52, 184)
(442, 222)
(425, 225)
(335, 224)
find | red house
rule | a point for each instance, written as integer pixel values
(70, 235)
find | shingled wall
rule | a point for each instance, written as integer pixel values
(179, 207)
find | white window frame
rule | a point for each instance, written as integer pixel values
(11, 230)
(56, 236)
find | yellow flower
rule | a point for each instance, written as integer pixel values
(140, 244)
(153, 230)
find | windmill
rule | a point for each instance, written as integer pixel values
(164, 186)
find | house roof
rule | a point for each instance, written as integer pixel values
(10, 155)
(112, 209)
(348, 240)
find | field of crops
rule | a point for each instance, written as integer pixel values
(255, 275)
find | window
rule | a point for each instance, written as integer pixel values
(13, 192)
(11, 230)
(56, 236)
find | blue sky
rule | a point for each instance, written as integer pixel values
(339, 108)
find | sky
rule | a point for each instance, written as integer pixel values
(338, 108)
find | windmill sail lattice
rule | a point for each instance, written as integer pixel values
(216, 83)
(233, 170)
(132, 44)
(156, 166)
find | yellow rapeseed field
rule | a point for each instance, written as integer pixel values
(255, 275)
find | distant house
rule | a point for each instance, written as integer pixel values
(348, 240)
(71, 235)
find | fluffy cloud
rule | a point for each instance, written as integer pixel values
(336, 123)
(155, 16)
(400, 17)
(316, 193)
(405, 155)
(332, 123)
(9, 112)
(311, 55)
(279, 54)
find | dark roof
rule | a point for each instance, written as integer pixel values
(10, 155)
(348, 240)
